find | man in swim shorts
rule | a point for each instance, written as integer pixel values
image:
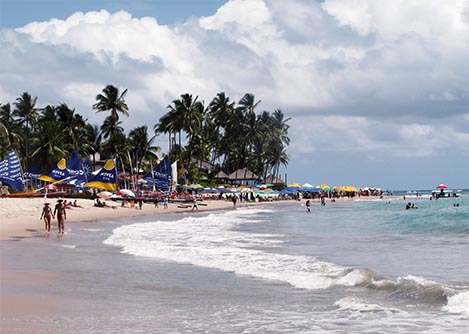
(61, 214)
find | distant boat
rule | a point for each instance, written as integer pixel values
(444, 193)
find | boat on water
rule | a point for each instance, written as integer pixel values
(444, 193)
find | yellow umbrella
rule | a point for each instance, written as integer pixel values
(294, 185)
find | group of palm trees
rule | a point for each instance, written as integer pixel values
(226, 135)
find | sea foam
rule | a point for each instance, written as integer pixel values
(217, 241)
(459, 303)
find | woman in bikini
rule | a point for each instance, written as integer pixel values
(47, 214)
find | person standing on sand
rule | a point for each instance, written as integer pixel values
(308, 205)
(61, 214)
(46, 214)
(234, 199)
(140, 202)
(194, 206)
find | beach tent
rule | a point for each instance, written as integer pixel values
(106, 178)
(11, 172)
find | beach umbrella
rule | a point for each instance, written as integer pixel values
(51, 187)
(294, 185)
(307, 185)
(104, 194)
(126, 193)
(441, 186)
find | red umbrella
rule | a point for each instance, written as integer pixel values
(51, 187)
(441, 186)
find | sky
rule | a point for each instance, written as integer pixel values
(377, 91)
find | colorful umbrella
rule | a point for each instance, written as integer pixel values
(441, 186)
(126, 193)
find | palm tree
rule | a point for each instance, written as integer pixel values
(113, 101)
(141, 146)
(220, 110)
(25, 110)
(10, 131)
(185, 114)
(94, 141)
(111, 128)
(48, 145)
(73, 125)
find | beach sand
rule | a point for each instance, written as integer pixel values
(20, 216)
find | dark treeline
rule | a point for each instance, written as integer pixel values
(226, 134)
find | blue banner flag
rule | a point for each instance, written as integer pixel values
(160, 176)
(11, 172)
(106, 177)
(76, 170)
(57, 173)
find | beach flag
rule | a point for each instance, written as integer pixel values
(160, 176)
(76, 170)
(57, 173)
(174, 174)
(106, 177)
(11, 172)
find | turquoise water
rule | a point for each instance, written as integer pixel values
(347, 267)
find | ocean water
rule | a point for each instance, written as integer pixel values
(367, 266)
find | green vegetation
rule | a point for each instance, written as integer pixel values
(227, 135)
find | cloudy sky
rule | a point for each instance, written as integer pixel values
(377, 91)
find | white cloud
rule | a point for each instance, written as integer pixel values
(389, 76)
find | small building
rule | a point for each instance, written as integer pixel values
(202, 165)
(222, 177)
(274, 180)
(243, 176)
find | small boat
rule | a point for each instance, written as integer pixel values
(444, 193)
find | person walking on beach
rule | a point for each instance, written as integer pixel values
(194, 205)
(140, 202)
(165, 203)
(47, 214)
(61, 214)
(234, 199)
(308, 205)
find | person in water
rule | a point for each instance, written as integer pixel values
(308, 205)
(61, 214)
(47, 214)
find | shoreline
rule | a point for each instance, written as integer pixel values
(20, 216)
